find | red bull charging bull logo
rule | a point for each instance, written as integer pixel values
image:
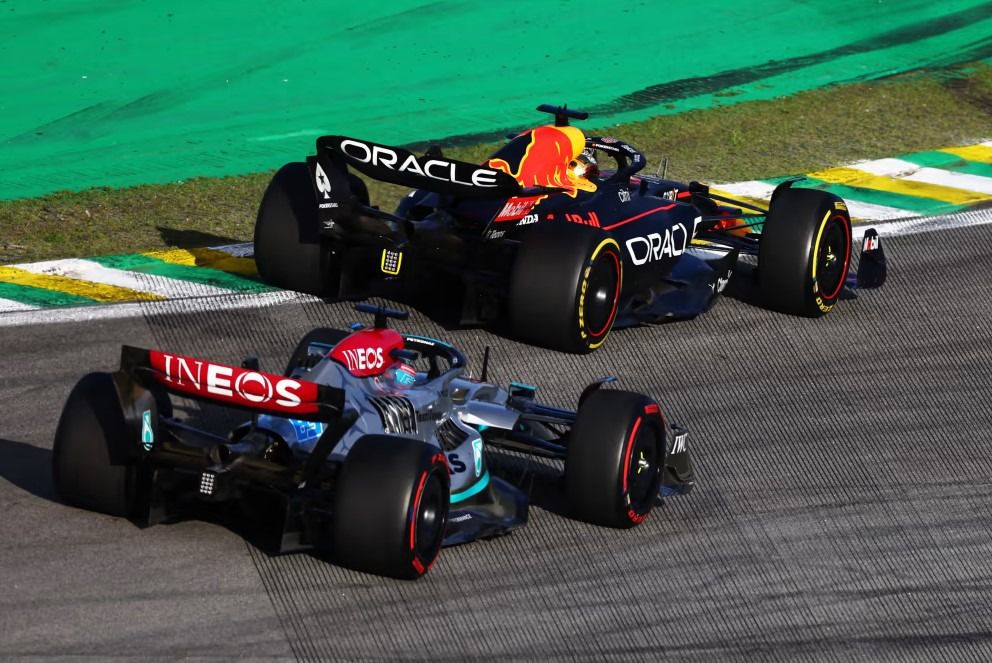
(548, 160)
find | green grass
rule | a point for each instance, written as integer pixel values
(750, 140)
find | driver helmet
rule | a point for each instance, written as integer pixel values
(585, 165)
(400, 376)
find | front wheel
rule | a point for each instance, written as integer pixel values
(565, 287)
(615, 456)
(391, 506)
(804, 252)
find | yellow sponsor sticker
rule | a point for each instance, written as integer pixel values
(391, 262)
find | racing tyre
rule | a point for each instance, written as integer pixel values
(615, 458)
(301, 356)
(804, 252)
(565, 287)
(391, 506)
(289, 251)
(92, 422)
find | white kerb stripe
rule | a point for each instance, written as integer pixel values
(904, 170)
(136, 309)
(857, 208)
(7, 305)
(87, 270)
(750, 189)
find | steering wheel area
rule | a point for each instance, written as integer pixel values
(432, 350)
(628, 159)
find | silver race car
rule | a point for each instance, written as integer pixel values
(373, 446)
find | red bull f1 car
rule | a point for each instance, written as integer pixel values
(542, 239)
(372, 446)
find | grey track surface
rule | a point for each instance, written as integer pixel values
(843, 511)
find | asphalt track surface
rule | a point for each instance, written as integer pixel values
(843, 509)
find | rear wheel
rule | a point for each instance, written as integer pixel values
(391, 506)
(804, 252)
(91, 425)
(565, 287)
(289, 251)
(615, 457)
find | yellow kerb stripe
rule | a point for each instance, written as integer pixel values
(855, 177)
(207, 258)
(744, 199)
(981, 153)
(96, 291)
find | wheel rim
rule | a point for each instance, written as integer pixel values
(832, 256)
(642, 469)
(602, 292)
(429, 520)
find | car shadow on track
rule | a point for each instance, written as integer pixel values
(743, 287)
(28, 467)
(542, 481)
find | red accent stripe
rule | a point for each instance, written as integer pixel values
(626, 454)
(847, 258)
(616, 299)
(651, 409)
(638, 216)
(413, 515)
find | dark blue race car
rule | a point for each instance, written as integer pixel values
(544, 240)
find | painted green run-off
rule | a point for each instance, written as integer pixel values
(950, 162)
(121, 93)
(32, 296)
(189, 273)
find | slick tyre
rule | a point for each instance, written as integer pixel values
(91, 425)
(302, 357)
(804, 252)
(391, 507)
(615, 458)
(289, 252)
(565, 287)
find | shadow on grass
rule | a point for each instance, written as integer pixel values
(193, 238)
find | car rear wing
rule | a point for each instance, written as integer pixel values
(396, 165)
(244, 388)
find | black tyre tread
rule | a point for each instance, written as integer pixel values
(91, 421)
(289, 252)
(595, 456)
(373, 500)
(545, 285)
(786, 250)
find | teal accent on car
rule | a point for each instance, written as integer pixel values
(472, 490)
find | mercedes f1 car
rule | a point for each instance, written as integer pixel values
(540, 238)
(372, 446)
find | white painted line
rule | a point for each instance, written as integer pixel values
(926, 224)
(87, 270)
(857, 208)
(138, 309)
(905, 170)
(7, 305)
(749, 189)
